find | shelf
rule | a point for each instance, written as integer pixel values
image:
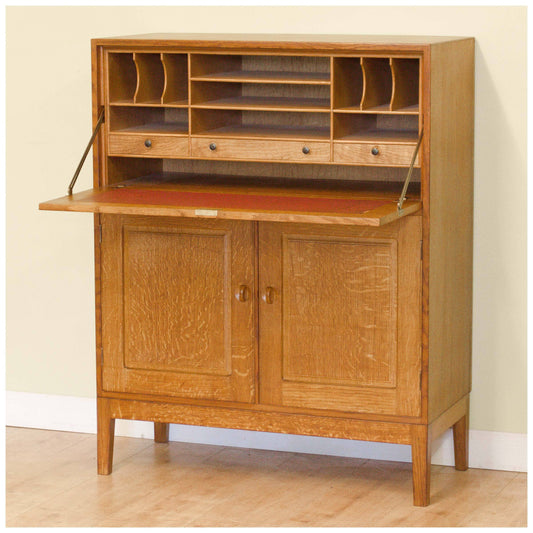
(265, 132)
(258, 103)
(242, 76)
(198, 196)
(381, 136)
(375, 127)
(155, 103)
(176, 128)
(410, 110)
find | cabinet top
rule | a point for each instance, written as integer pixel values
(271, 40)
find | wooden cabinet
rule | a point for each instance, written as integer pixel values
(284, 236)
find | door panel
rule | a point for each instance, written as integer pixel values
(172, 322)
(342, 330)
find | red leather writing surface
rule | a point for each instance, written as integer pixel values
(236, 201)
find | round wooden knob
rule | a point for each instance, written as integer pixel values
(213, 146)
(375, 150)
(148, 143)
(268, 296)
(306, 150)
(243, 293)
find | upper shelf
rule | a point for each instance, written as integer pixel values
(239, 76)
(237, 68)
(265, 103)
(196, 196)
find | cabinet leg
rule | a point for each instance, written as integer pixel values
(160, 432)
(460, 443)
(105, 437)
(421, 453)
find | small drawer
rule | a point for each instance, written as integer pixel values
(148, 145)
(374, 154)
(260, 150)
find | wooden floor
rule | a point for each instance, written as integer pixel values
(52, 481)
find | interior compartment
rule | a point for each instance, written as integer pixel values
(406, 84)
(253, 124)
(377, 127)
(131, 170)
(122, 78)
(149, 120)
(347, 83)
(176, 79)
(150, 78)
(127, 169)
(377, 83)
(315, 98)
(260, 69)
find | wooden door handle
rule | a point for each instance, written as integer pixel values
(243, 293)
(268, 296)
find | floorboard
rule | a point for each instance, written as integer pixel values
(51, 481)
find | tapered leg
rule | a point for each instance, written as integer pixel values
(105, 437)
(421, 452)
(460, 443)
(160, 432)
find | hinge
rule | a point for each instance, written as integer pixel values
(100, 234)
(420, 381)
(102, 356)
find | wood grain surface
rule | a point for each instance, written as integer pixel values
(260, 149)
(171, 322)
(159, 145)
(450, 224)
(314, 358)
(358, 208)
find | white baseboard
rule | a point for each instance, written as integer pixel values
(488, 449)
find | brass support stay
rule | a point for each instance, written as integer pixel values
(408, 178)
(84, 156)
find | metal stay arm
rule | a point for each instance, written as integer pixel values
(408, 178)
(84, 156)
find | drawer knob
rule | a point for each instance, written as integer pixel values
(306, 150)
(375, 150)
(148, 143)
(213, 146)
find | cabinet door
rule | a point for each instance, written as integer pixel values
(178, 307)
(340, 317)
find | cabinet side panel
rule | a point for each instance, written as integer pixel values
(450, 230)
(98, 172)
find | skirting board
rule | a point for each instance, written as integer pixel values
(488, 449)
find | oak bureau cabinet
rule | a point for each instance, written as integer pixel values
(283, 236)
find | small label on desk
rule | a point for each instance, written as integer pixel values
(206, 212)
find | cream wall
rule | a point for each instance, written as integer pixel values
(50, 323)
